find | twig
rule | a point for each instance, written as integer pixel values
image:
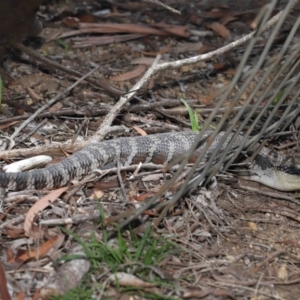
(289, 282)
(270, 258)
(165, 114)
(77, 219)
(123, 100)
(51, 102)
(123, 190)
(249, 282)
(283, 212)
(35, 129)
(164, 6)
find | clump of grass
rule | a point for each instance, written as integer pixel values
(278, 97)
(192, 115)
(63, 44)
(82, 292)
(127, 252)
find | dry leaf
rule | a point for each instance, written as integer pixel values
(139, 130)
(129, 75)
(227, 19)
(72, 22)
(56, 107)
(33, 94)
(97, 194)
(252, 226)
(7, 125)
(21, 296)
(164, 50)
(121, 27)
(43, 250)
(14, 232)
(282, 272)
(176, 30)
(125, 279)
(144, 196)
(4, 295)
(160, 29)
(40, 206)
(104, 40)
(220, 29)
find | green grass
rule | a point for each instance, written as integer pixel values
(63, 44)
(192, 115)
(80, 293)
(127, 252)
(278, 97)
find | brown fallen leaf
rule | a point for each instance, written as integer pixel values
(156, 29)
(75, 21)
(164, 50)
(71, 22)
(220, 29)
(56, 107)
(177, 30)
(216, 13)
(14, 232)
(104, 40)
(97, 194)
(7, 125)
(86, 28)
(227, 19)
(252, 226)
(121, 27)
(282, 272)
(36, 295)
(43, 250)
(139, 130)
(140, 70)
(4, 295)
(205, 49)
(103, 185)
(40, 206)
(21, 296)
(142, 197)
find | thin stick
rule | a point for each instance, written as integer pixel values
(102, 130)
(164, 6)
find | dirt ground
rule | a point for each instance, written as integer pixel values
(245, 245)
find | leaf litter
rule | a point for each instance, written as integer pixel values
(252, 251)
